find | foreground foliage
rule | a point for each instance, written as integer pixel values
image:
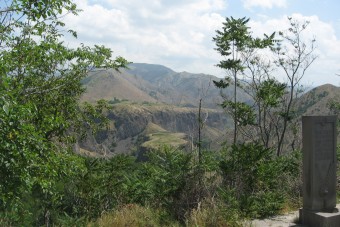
(40, 116)
(171, 188)
(218, 192)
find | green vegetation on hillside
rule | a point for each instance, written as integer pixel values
(132, 123)
(156, 137)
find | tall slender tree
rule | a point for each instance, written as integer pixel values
(234, 39)
(293, 55)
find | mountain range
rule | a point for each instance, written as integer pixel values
(154, 105)
(156, 84)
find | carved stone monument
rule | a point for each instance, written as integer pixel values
(319, 171)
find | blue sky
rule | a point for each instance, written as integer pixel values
(178, 33)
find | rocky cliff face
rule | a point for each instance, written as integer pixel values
(130, 127)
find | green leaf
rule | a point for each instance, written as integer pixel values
(6, 108)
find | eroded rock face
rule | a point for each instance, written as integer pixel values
(129, 123)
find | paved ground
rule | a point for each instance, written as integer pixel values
(277, 221)
(287, 220)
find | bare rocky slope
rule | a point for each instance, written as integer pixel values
(134, 125)
(153, 105)
(156, 84)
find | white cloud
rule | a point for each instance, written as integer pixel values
(327, 45)
(179, 33)
(264, 3)
(97, 23)
(146, 31)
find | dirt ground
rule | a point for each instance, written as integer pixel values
(287, 220)
(277, 221)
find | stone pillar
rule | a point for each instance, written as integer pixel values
(319, 171)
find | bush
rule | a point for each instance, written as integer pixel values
(171, 188)
(262, 204)
(102, 187)
(256, 178)
(164, 178)
(173, 180)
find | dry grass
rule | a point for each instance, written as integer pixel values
(132, 215)
(208, 213)
(109, 84)
(152, 128)
(158, 139)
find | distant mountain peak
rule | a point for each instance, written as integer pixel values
(150, 69)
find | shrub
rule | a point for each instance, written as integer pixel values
(100, 188)
(167, 174)
(255, 177)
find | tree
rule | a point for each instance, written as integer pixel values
(274, 101)
(40, 86)
(267, 94)
(293, 56)
(272, 113)
(233, 40)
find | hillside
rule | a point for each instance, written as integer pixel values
(153, 96)
(317, 100)
(135, 126)
(154, 105)
(109, 84)
(178, 88)
(156, 84)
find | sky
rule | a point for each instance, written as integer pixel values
(178, 33)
